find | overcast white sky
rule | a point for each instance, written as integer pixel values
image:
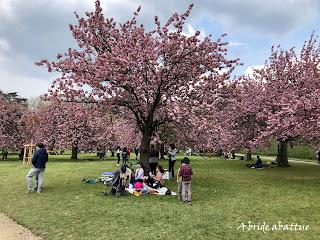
(35, 29)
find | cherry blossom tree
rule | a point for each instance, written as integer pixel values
(291, 87)
(239, 115)
(70, 125)
(152, 75)
(11, 112)
(60, 125)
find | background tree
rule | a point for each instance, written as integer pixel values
(291, 87)
(11, 112)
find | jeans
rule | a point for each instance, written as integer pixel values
(186, 191)
(38, 172)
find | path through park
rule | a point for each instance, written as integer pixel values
(9, 230)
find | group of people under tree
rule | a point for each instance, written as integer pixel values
(154, 157)
(125, 154)
(155, 178)
(143, 181)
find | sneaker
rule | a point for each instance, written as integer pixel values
(29, 191)
(38, 191)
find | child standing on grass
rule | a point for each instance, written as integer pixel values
(179, 181)
(186, 174)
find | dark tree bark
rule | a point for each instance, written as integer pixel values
(283, 154)
(74, 152)
(249, 155)
(144, 152)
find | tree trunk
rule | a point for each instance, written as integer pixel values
(144, 152)
(283, 154)
(74, 153)
(249, 155)
(162, 151)
(112, 153)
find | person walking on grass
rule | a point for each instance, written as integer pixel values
(172, 159)
(186, 174)
(39, 160)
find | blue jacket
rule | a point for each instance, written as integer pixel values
(40, 158)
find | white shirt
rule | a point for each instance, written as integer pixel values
(173, 153)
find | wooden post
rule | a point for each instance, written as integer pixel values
(28, 154)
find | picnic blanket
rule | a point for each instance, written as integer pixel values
(159, 191)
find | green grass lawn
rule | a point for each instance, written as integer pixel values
(225, 193)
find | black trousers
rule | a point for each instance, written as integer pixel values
(118, 156)
(153, 167)
(171, 167)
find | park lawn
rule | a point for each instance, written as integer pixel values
(225, 193)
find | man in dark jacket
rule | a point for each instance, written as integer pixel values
(39, 161)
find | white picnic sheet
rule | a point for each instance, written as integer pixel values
(161, 191)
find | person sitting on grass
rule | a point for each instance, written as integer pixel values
(139, 173)
(159, 176)
(258, 163)
(138, 185)
(155, 181)
(186, 175)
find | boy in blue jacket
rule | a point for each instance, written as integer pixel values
(39, 161)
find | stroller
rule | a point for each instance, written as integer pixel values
(117, 185)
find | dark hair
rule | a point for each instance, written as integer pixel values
(172, 146)
(139, 180)
(186, 160)
(124, 168)
(152, 146)
(40, 145)
(160, 168)
(118, 147)
(125, 149)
